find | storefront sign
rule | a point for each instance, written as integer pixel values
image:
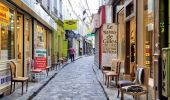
(4, 14)
(5, 76)
(109, 45)
(70, 24)
(40, 59)
(166, 72)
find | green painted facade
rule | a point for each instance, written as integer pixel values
(54, 46)
(62, 44)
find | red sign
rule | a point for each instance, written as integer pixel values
(40, 63)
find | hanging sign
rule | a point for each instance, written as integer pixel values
(109, 44)
(4, 14)
(70, 24)
(40, 59)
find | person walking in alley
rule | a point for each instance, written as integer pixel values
(71, 53)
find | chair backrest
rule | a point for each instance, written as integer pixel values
(12, 68)
(142, 75)
(132, 74)
(118, 67)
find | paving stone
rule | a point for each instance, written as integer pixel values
(77, 81)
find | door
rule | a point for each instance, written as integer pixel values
(48, 48)
(127, 58)
(20, 44)
(27, 45)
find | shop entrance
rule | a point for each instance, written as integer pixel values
(20, 44)
(130, 44)
(23, 44)
(27, 45)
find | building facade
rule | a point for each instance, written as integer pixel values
(26, 28)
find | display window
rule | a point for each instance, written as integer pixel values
(40, 47)
(149, 33)
(40, 37)
(7, 33)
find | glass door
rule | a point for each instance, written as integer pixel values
(20, 44)
(27, 45)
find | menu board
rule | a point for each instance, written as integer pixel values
(109, 44)
(40, 61)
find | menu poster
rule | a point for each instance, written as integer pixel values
(40, 61)
(109, 43)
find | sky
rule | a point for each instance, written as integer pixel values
(89, 5)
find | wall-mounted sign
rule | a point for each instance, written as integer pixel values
(90, 35)
(40, 61)
(4, 14)
(5, 76)
(166, 72)
(70, 24)
(109, 43)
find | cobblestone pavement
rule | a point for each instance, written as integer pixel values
(76, 81)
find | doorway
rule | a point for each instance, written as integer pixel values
(27, 45)
(20, 44)
(24, 47)
(130, 45)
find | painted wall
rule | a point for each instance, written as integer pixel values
(37, 10)
(54, 46)
(140, 36)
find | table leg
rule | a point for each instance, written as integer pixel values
(122, 95)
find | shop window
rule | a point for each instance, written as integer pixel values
(129, 9)
(7, 35)
(149, 33)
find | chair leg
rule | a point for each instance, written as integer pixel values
(116, 80)
(14, 87)
(122, 96)
(27, 85)
(104, 78)
(11, 88)
(22, 87)
(118, 92)
(108, 78)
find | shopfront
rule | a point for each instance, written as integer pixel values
(130, 36)
(24, 43)
(42, 46)
(7, 43)
(146, 40)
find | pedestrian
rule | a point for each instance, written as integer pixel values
(71, 53)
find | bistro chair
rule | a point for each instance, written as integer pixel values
(14, 78)
(141, 84)
(106, 69)
(113, 74)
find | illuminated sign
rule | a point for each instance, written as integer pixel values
(4, 14)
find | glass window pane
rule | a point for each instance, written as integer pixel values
(7, 36)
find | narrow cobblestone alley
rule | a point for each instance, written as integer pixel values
(76, 81)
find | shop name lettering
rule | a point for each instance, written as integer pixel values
(109, 40)
(40, 51)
